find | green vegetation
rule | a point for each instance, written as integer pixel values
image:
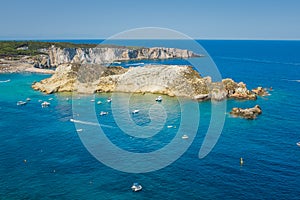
(14, 48)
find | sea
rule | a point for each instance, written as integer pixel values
(65, 151)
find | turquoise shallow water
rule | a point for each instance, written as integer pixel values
(60, 167)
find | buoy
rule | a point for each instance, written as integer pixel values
(241, 161)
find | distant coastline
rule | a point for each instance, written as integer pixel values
(25, 56)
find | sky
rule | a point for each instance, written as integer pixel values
(199, 19)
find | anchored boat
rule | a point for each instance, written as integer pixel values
(136, 187)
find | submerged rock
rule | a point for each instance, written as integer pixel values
(248, 113)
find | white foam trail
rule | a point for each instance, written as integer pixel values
(90, 123)
(135, 64)
(292, 80)
(8, 80)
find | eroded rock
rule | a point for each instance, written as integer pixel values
(248, 113)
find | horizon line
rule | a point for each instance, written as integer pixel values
(245, 39)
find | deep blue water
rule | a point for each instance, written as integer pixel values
(58, 166)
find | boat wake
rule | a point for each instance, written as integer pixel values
(8, 80)
(258, 61)
(135, 64)
(292, 80)
(90, 123)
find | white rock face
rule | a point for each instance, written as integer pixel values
(110, 54)
(172, 80)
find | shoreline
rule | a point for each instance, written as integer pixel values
(26, 70)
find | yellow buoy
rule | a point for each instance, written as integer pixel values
(241, 161)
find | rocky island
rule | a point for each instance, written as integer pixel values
(172, 80)
(85, 69)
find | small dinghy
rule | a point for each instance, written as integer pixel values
(45, 104)
(136, 187)
(21, 103)
(158, 99)
(103, 113)
(185, 137)
(298, 144)
(135, 111)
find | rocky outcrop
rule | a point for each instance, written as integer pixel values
(260, 91)
(248, 113)
(237, 90)
(172, 80)
(101, 55)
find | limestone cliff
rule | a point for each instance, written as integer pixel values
(172, 80)
(102, 55)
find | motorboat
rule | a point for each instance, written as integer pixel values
(169, 126)
(108, 100)
(21, 103)
(45, 104)
(135, 111)
(185, 137)
(99, 102)
(136, 187)
(103, 113)
(298, 143)
(92, 100)
(50, 99)
(158, 99)
(28, 99)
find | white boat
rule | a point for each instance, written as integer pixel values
(5, 81)
(170, 126)
(108, 100)
(135, 111)
(158, 99)
(92, 100)
(103, 113)
(136, 187)
(21, 103)
(99, 102)
(50, 99)
(298, 143)
(185, 137)
(45, 104)
(28, 99)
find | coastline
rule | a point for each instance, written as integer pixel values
(26, 69)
